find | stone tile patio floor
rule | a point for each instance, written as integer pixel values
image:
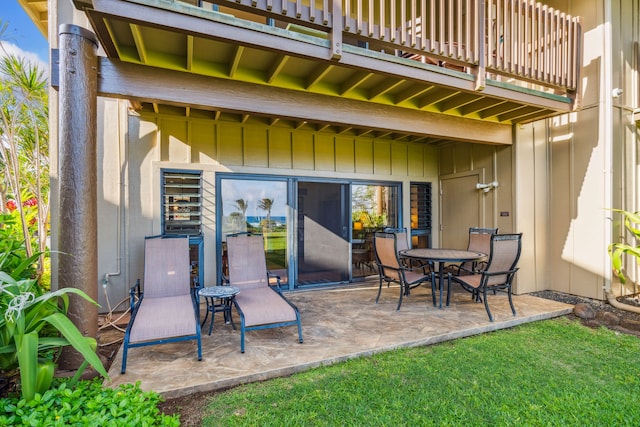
(337, 324)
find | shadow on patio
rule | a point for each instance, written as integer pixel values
(338, 324)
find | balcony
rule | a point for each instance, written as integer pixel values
(497, 61)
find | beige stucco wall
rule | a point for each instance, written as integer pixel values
(137, 148)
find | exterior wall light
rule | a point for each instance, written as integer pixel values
(487, 187)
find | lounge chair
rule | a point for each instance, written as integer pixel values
(498, 275)
(260, 305)
(167, 310)
(392, 270)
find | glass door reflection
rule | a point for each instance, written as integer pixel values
(257, 206)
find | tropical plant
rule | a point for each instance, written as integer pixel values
(34, 326)
(242, 205)
(24, 164)
(617, 250)
(13, 252)
(266, 205)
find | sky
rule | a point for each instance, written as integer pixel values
(22, 36)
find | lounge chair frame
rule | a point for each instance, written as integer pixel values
(258, 284)
(137, 298)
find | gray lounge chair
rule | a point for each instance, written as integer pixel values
(260, 305)
(167, 310)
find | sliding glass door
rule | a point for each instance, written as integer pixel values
(316, 232)
(323, 233)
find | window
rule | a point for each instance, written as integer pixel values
(374, 206)
(421, 215)
(182, 202)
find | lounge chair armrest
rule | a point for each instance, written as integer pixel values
(271, 275)
(134, 294)
(195, 290)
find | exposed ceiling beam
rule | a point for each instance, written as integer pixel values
(457, 101)
(365, 132)
(499, 109)
(479, 105)
(233, 64)
(317, 75)
(435, 96)
(189, 53)
(149, 84)
(139, 42)
(381, 89)
(411, 93)
(356, 80)
(277, 67)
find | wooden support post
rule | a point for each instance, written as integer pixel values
(77, 172)
(336, 30)
(481, 69)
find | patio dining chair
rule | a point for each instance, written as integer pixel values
(498, 275)
(392, 270)
(165, 309)
(479, 241)
(402, 244)
(260, 304)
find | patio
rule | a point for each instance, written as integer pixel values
(338, 324)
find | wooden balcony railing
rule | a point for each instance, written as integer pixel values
(520, 40)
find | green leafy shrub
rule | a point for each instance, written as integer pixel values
(13, 252)
(87, 404)
(616, 250)
(34, 325)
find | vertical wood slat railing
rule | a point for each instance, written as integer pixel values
(520, 39)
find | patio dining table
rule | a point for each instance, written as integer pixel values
(442, 256)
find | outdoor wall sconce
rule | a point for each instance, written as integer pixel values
(487, 187)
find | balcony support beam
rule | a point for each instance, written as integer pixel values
(155, 85)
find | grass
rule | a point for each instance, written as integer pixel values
(547, 373)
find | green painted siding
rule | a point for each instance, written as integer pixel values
(364, 156)
(345, 154)
(257, 145)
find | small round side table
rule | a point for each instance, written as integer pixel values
(225, 294)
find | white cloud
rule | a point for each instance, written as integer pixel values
(11, 49)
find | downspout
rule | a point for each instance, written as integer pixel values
(117, 272)
(607, 111)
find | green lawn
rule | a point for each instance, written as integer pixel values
(549, 373)
(276, 243)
